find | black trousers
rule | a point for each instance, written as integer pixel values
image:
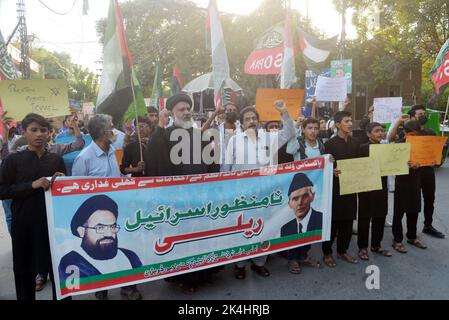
(412, 221)
(377, 231)
(428, 193)
(26, 286)
(344, 230)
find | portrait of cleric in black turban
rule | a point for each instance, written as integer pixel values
(95, 222)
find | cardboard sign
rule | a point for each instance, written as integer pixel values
(359, 175)
(45, 97)
(426, 150)
(265, 99)
(387, 110)
(392, 158)
(331, 89)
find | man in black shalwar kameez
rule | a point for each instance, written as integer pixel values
(344, 208)
(23, 179)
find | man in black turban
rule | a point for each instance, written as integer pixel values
(95, 222)
(300, 197)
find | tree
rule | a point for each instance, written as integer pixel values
(409, 31)
(173, 32)
(82, 84)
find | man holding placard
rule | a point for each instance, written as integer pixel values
(344, 207)
(373, 205)
(407, 199)
(418, 113)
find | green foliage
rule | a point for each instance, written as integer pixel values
(82, 84)
(409, 31)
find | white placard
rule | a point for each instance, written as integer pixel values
(331, 89)
(387, 110)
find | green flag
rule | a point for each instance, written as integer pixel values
(140, 102)
(157, 93)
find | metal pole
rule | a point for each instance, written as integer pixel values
(445, 116)
(343, 30)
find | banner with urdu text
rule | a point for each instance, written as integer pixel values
(110, 232)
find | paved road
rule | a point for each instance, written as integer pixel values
(419, 274)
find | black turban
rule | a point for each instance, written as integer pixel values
(300, 180)
(178, 97)
(100, 202)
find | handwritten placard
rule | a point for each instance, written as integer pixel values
(331, 89)
(359, 175)
(392, 158)
(265, 99)
(45, 97)
(426, 150)
(387, 110)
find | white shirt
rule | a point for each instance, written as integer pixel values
(244, 153)
(304, 222)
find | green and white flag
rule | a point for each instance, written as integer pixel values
(115, 93)
(157, 92)
(140, 102)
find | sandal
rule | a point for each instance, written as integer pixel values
(382, 251)
(261, 271)
(399, 247)
(363, 254)
(329, 261)
(239, 273)
(348, 258)
(417, 243)
(310, 263)
(294, 267)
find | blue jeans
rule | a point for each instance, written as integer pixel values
(8, 213)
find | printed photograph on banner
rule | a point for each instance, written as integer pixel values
(106, 233)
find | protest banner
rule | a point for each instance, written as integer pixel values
(158, 227)
(265, 99)
(359, 175)
(387, 110)
(310, 83)
(45, 97)
(392, 158)
(331, 89)
(342, 69)
(426, 150)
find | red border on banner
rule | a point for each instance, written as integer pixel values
(101, 185)
(140, 276)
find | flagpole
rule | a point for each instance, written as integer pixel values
(137, 119)
(445, 116)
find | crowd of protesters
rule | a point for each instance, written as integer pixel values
(33, 150)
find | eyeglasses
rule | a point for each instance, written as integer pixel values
(101, 228)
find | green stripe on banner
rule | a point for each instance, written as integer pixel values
(170, 264)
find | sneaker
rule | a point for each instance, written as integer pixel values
(131, 293)
(433, 232)
(101, 295)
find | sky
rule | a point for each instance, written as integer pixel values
(75, 34)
